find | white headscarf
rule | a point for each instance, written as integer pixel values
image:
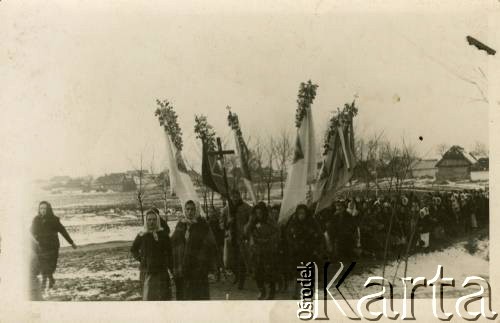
(158, 223)
(351, 208)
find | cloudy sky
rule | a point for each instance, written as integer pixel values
(80, 79)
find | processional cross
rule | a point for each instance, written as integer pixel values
(220, 156)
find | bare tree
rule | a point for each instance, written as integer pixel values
(283, 152)
(480, 149)
(398, 162)
(267, 173)
(162, 181)
(441, 149)
(140, 191)
(141, 180)
(256, 166)
(367, 153)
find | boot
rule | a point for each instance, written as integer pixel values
(262, 293)
(272, 291)
(285, 285)
(52, 281)
(241, 282)
(44, 282)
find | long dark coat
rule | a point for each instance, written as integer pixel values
(236, 254)
(305, 241)
(264, 250)
(345, 234)
(155, 257)
(45, 230)
(194, 251)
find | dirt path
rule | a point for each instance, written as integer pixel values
(107, 272)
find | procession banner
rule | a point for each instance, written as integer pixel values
(339, 158)
(303, 169)
(243, 154)
(180, 181)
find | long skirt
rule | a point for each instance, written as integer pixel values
(196, 286)
(47, 259)
(156, 286)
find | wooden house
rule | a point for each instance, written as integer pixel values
(456, 164)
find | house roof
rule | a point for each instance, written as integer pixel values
(114, 178)
(424, 164)
(457, 153)
(482, 164)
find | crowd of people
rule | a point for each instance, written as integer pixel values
(248, 241)
(354, 227)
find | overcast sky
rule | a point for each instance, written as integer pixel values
(80, 79)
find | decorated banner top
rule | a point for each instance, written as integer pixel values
(168, 119)
(342, 118)
(307, 93)
(234, 123)
(204, 131)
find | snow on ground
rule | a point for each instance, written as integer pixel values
(457, 261)
(87, 234)
(109, 272)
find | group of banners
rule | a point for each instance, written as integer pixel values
(305, 183)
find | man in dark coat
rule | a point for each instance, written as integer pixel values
(235, 220)
(45, 229)
(152, 248)
(194, 255)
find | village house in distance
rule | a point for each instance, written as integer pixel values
(456, 164)
(115, 182)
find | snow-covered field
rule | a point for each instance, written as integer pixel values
(92, 228)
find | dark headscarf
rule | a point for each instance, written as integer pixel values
(50, 212)
(263, 208)
(302, 207)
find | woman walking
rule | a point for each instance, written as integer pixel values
(193, 245)
(45, 229)
(152, 248)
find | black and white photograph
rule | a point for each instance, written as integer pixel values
(183, 152)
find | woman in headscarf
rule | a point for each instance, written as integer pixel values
(264, 250)
(152, 249)
(163, 221)
(45, 229)
(194, 255)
